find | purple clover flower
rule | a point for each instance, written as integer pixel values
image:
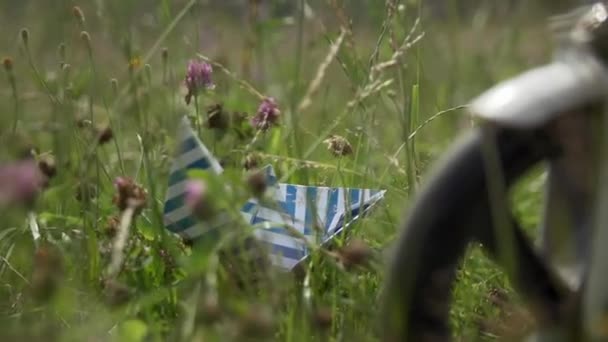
(198, 77)
(267, 115)
(20, 182)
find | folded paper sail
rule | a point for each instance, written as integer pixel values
(316, 213)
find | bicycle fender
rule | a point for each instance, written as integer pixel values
(533, 98)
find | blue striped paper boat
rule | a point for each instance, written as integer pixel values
(317, 213)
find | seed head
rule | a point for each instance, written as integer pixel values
(47, 166)
(252, 161)
(8, 63)
(85, 37)
(217, 118)
(25, 36)
(114, 83)
(165, 55)
(338, 146)
(61, 52)
(256, 181)
(78, 14)
(267, 115)
(104, 134)
(355, 253)
(129, 194)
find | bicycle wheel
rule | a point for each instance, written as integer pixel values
(452, 210)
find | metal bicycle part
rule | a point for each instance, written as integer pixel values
(451, 211)
(546, 114)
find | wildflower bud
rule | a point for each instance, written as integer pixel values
(338, 146)
(197, 198)
(104, 135)
(114, 83)
(355, 253)
(111, 227)
(148, 69)
(165, 55)
(78, 14)
(25, 36)
(129, 194)
(47, 166)
(8, 63)
(66, 69)
(251, 161)
(61, 52)
(216, 117)
(257, 183)
(86, 37)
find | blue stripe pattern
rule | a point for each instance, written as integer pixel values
(297, 206)
(191, 154)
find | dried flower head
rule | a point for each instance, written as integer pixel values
(267, 115)
(252, 161)
(338, 145)
(8, 63)
(25, 35)
(197, 199)
(104, 134)
(129, 194)
(355, 253)
(198, 78)
(256, 181)
(20, 182)
(47, 166)
(85, 36)
(217, 118)
(78, 14)
(111, 227)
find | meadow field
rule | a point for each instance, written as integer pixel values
(93, 94)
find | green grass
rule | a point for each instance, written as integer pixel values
(165, 290)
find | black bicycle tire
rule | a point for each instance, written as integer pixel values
(427, 253)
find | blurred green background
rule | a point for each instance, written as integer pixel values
(120, 79)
